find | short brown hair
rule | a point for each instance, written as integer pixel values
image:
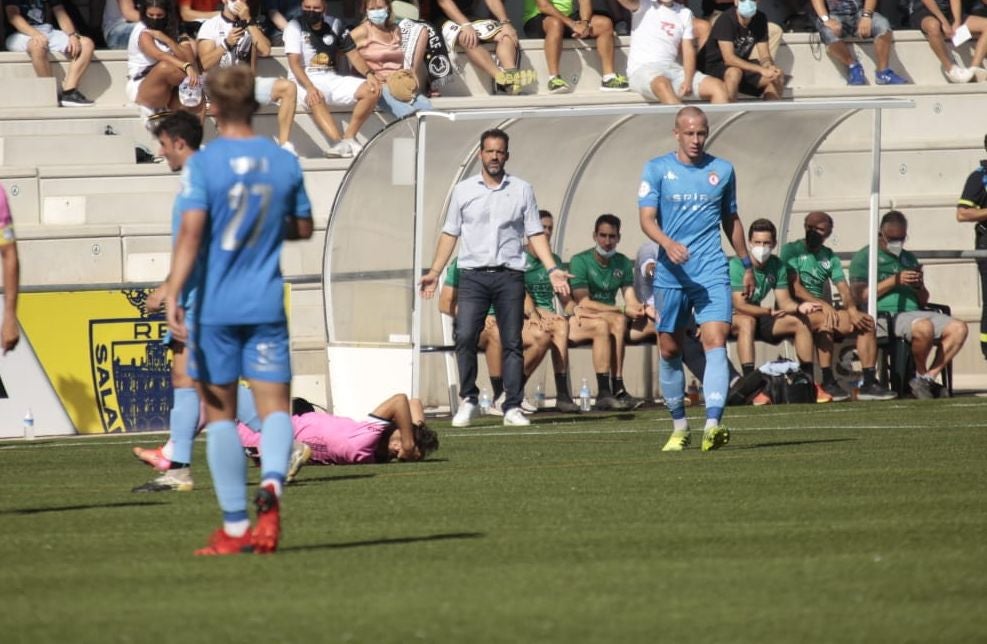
(231, 90)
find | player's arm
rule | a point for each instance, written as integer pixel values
(633, 307)
(742, 305)
(210, 53)
(183, 257)
(146, 44)
(966, 208)
(297, 228)
(11, 284)
(538, 243)
(443, 251)
(784, 302)
(649, 218)
(731, 59)
(447, 300)
(858, 318)
(734, 230)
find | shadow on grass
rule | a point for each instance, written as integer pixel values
(396, 541)
(326, 479)
(72, 508)
(791, 443)
(560, 418)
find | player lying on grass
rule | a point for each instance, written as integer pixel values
(395, 429)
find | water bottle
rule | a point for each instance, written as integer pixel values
(189, 96)
(584, 396)
(28, 425)
(539, 396)
(485, 401)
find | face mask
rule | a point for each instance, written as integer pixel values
(156, 23)
(606, 254)
(377, 16)
(896, 247)
(761, 253)
(312, 18)
(746, 8)
(813, 239)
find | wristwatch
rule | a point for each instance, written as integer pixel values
(824, 18)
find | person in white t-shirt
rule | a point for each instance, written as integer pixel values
(660, 31)
(234, 37)
(158, 61)
(312, 43)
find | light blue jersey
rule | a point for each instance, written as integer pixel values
(692, 201)
(249, 187)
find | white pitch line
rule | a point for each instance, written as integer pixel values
(738, 431)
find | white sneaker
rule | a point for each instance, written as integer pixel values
(340, 150)
(467, 412)
(287, 145)
(527, 407)
(355, 147)
(172, 480)
(516, 418)
(957, 74)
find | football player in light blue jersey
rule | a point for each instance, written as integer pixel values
(243, 197)
(684, 199)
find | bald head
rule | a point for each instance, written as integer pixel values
(691, 130)
(818, 228)
(690, 112)
(818, 218)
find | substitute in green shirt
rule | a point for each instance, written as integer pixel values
(815, 267)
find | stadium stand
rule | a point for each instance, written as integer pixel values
(87, 213)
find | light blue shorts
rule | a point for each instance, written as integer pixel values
(674, 306)
(220, 354)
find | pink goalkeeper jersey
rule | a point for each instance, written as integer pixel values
(334, 440)
(6, 221)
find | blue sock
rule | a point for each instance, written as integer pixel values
(276, 436)
(716, 382)
(246, 409)
(228, 465)
(673, 385)
(183, 423)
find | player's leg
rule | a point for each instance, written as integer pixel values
(536, 340)
(559, 331)
(742, 330)
(951, 334)
(590, 327)
(714, 311)
(617, 327)
(672, 307)
(794, 327)
(285, 93)
(822, 337)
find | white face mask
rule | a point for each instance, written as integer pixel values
(606, 254)
(746, 8)
(896, 247)
(761, 253)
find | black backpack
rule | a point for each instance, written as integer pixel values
(792, 387)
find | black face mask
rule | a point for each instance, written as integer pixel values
(158, 24)
(312, 18)
(813, 239)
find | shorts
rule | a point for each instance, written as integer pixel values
(118, 36)
(903, 323)
(535, 28)
(132, 87)
(58, 41)
(675, 306)
(221, 353)
(921, 13)
(640, 79)
(879, 27)
(750, 82)
(263, 89)
(337, 90)
(764, 329)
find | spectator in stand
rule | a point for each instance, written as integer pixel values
(159, 60)
(195, 12)
(388, 51)
(119, 19)
(554, 20)
(739, 32)
(939, 20)
(710, 12)
(856, 18)
(901, 292)
(754, 321)
(232, 38)
(540, 314)
(660, 32)
(460, 25)
(31, 31)
(10, 332)
(279, 13)
(812, 266)
(598, 274)
(312, 43)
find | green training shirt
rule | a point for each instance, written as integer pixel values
(900, 298)
(767, 278)
(814, 269)
(538, 283)
(603, 282)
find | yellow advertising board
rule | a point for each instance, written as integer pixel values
(104, 357)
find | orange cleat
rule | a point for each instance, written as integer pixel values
(822, 396)
(221, 543)
(761, 399)
(266, 533)
(153, 457)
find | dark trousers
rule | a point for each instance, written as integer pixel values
(982, 265)
(478, 289)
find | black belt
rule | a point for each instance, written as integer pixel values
(489, 269)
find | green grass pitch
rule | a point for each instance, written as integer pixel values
(859, 522)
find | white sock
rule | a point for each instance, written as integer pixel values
(236, 528)
(607, 77)
(168, 450)
(680, 424)
(275, 483)
(711, 423)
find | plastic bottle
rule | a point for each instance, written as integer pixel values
(539, 396)
(28, 425)
(485, 401)
(189, 96)
(584, 396)
(693, 392)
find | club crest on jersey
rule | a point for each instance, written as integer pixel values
(643, 190)
(714, 179)
(131, 373)
(825, 264)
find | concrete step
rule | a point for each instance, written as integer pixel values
(29, 92)
(75, 149)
